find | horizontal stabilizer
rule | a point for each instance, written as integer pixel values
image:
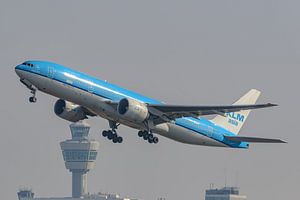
(252, 139)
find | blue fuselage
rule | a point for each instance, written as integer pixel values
(53, 74)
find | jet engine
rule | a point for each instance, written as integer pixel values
(133, 110)
(69, 111)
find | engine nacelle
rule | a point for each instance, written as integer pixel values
(69, 111)
(133, 110)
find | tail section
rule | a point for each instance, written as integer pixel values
(234, 121)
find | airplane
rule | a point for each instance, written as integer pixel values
(81, 96)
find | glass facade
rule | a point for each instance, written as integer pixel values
(80, 131)
(226, 193)
(74, 155)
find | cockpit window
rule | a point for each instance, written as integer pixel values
(28, 64)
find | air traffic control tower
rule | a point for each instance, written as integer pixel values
(79, 154)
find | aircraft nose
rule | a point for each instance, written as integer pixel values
(17, 67)
(18, 70)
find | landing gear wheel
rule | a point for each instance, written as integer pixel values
(120, 139)
(140, 133)
(110, 135)
(145, 136)
(155, 140)
(115, 140)
(104, 133)
(150, 136)
(32, 99)
(150, 140)
(115, 136)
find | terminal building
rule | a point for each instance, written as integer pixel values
(226, 193)
(79, 155)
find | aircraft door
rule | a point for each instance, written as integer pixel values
(90, 88)
(210, 132)
(50, 72)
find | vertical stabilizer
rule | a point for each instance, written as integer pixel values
(234, 121)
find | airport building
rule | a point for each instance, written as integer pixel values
(79, 154)
(29, 195)
(226, 193)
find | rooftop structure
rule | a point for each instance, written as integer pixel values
(226, 193)
(25, 194)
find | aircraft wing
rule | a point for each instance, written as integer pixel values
(165, 113)
(111, 103)
(171, 112)
(89, 112)
(252, 139)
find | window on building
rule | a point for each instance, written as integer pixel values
(70, 155)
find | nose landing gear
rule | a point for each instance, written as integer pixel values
(32, 89)
(33, 98)
(148, 136)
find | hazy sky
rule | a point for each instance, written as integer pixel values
(181, 52)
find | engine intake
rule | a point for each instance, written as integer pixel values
(69, 111)
(133, 110)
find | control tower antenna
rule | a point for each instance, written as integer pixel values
(79, 154)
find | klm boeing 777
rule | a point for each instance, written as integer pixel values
(82, 96)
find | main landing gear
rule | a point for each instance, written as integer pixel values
(112, 134)
(146, 135)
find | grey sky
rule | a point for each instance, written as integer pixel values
(183, 52)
